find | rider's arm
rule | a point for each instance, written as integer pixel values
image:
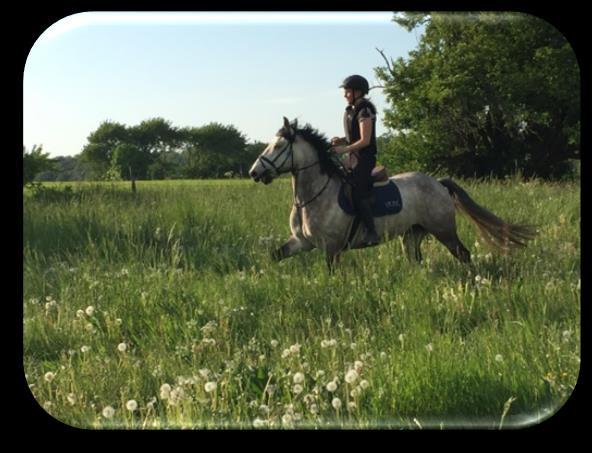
(364, 141)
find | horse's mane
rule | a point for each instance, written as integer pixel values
(318, 141)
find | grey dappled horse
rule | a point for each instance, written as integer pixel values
(317, 220)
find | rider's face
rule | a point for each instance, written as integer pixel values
(349, 93)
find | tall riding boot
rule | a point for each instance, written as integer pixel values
(365, 210)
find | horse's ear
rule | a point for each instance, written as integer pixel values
(286, 123)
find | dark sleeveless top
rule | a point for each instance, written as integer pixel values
(351, 123)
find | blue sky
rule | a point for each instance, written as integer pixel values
(244, 69)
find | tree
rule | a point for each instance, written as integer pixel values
(212, 150)
(34, 162)
(483, 94)
(101, 143)
(131, 161)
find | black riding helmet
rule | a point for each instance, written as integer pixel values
(356, 82)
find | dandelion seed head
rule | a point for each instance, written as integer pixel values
(71, 399)
(85, 349)
(210, 386)
(336, 403)
(80, 313)
(165, 391)
(122, 347)
(49, 376)
(351, 376)
(131, 405)
(259, 423)
(297, 389)
(90, 310)
(298, 378)
(274, 343)
(108, 412)
(364, 384)
(499, 358)
(332, 386)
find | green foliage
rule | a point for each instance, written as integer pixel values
(484, 93)
(35, 162)
(154, 149)
(131, 161)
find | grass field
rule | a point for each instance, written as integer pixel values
(163, 310)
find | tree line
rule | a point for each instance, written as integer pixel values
(484, 94)
(155, 149)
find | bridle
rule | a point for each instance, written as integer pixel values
(267, 164)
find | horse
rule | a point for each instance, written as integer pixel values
(318, 221)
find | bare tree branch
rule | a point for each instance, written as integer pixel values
(388, 64)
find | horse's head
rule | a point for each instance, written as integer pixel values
(277, 157)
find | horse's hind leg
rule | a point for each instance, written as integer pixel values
(452, 242)
(412, 242)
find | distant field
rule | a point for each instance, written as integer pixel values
(162, 309)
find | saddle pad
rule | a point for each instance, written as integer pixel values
(386, 200)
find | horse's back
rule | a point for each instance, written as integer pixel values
(422, 192)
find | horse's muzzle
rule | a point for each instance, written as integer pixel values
(264, 177)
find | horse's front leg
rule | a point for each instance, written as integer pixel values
(332, 260)
(291, 247)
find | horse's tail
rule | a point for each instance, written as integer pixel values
(494, 230)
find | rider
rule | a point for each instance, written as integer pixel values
(360, 142)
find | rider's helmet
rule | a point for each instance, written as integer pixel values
(356, 82)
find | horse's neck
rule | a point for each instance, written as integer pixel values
(311, 183)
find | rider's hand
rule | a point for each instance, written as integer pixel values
(337, 141)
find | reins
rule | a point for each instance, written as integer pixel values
(267, 163)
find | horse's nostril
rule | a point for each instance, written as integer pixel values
(253, 174)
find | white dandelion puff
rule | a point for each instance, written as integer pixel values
(274, 343)
(332, 386)
(259, 423)
(165, 391)
(351, 376)
(210, 386)
(122, 347)
(49, 376)
(85, 349)
(298, 378)
(297, 389)
(336, 403)
(90, 310)
(131, 405)
(499, 358)
(108, 412)
(364, 384)
(80, 313)
(71, 399)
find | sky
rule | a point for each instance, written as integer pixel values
(242, 69)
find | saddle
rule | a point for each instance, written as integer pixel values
(379, 174)
(386, 198)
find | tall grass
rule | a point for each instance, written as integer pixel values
(182, 293)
